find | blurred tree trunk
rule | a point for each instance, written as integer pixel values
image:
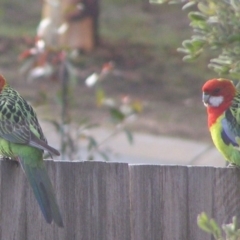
(81, 17)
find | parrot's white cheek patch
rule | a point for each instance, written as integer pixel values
(215, 101)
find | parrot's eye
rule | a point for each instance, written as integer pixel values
(216, 91)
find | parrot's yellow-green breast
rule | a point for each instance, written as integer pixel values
(230, 152)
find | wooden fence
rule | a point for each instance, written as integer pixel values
(117, 201)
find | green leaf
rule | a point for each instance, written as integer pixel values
(200, 38)
(193, 47)
(231, 230)
(70, 142)
(92, 143)
(188, 58)
(174, 1)
(197, 16)
(129, 136)
(137, 106)
(117, 115)
(188, 44)
(215, 229)
(183, 50)
(157, 1)
(203, 222)
(200, 25)
(90, 157)
(104, 155)
(234, 38)
(188, 5)
(235, 75)
(164, 1)
(207, 10)
(100, 96)
(198, 43)
(209, 225)
(221, 61)
(219, 69)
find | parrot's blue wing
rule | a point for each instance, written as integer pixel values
(227, 135)
(230, 129)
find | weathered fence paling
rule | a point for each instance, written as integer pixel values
(117, 201)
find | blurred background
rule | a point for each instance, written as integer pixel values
(106, 79)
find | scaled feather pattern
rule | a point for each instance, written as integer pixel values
(22, 139)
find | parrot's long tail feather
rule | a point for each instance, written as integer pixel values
(43, 191)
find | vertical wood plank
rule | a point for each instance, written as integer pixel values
(200, 199)
(146, 202)
(158, 202)
(13, 206)
(117, 224)
(226, 197)
(175, 206)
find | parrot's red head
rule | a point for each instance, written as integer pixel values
(217, 97)
(3, 83)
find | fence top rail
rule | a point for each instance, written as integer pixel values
(136, 164)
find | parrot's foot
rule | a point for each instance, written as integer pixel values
(14, 161)
(17, 164)
(232, 165)
(5, 158)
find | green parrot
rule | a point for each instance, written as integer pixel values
(22, 139)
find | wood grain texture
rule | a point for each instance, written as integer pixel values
(158, 202)
(200, 199)
(226, 194)
(175, 204)
(106, 201)
(93, 198)
(146, 202)
(13, 201)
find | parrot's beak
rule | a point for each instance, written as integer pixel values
(205, 99)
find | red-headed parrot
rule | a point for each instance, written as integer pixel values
(222, 100)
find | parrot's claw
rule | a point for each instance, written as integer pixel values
(14, 161)
(5, 158)
(17, 164)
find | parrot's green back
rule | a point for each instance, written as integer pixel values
(22, 139)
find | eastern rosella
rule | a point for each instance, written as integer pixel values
(22, 139)
(222, 100)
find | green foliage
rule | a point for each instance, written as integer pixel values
(210, 226)
(216, 27)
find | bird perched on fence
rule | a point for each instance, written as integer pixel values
(222, 100)
(22, 139)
